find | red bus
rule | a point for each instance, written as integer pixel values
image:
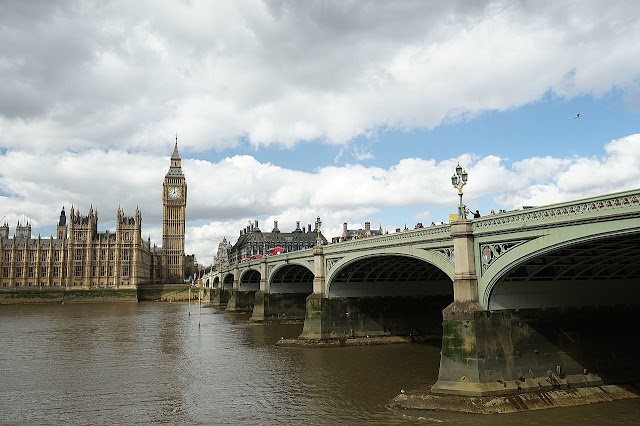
(275, 251)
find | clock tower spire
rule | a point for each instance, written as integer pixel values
(174, 202)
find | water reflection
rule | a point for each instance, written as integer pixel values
(151, 363)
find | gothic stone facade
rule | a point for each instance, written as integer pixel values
(221, 258)
(80, 256)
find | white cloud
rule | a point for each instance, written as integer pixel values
(424, 216)
(223, 196)
(279, 72)
(81, 117)
(362, 155)
(549, 180)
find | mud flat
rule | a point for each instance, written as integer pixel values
(357, 341)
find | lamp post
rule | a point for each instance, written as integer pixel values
(458, 180)
(318, 225)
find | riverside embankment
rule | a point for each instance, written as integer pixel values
(160, 293)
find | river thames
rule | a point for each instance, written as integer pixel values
(150, 363)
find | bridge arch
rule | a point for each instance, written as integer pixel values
(249, 280)
(292, 277)
(206, 283)
(560, 270)
(216, 282)
(391, 274)
(227, 282)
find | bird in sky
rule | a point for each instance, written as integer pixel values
(577, 116)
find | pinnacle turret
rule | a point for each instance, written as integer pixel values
(175, 168)
(176, 154)
(63, 218)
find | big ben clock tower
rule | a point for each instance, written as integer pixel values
(174, 202)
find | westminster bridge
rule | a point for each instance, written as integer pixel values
(534, 299)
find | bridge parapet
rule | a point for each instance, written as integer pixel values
(294, 255)
(433, 233)
(255, 263)
(584, 210)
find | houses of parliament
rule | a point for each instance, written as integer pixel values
(80, 256)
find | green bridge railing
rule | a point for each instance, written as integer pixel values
(581, 210)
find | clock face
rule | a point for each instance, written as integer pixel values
(174, 192)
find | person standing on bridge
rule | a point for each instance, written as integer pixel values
(476, 214)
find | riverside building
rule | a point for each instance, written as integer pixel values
(253, 241)
(355, 234)
(80, 256)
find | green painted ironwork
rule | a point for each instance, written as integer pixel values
(501, 242)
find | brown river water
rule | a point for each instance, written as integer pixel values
(149, 363)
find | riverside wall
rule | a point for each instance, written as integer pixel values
(166, 293)
(17, 296)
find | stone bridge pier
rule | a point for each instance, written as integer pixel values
(245, 285)
(283, 292)
(221, 292)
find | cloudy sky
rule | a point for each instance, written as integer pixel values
(286, 110)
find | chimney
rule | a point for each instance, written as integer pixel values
(309, 227)
(344, 227)
(367, 227)
(297, 224)
(256, 223)
(275, 223)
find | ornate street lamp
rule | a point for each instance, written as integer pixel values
(458, 180)
(318, 225)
